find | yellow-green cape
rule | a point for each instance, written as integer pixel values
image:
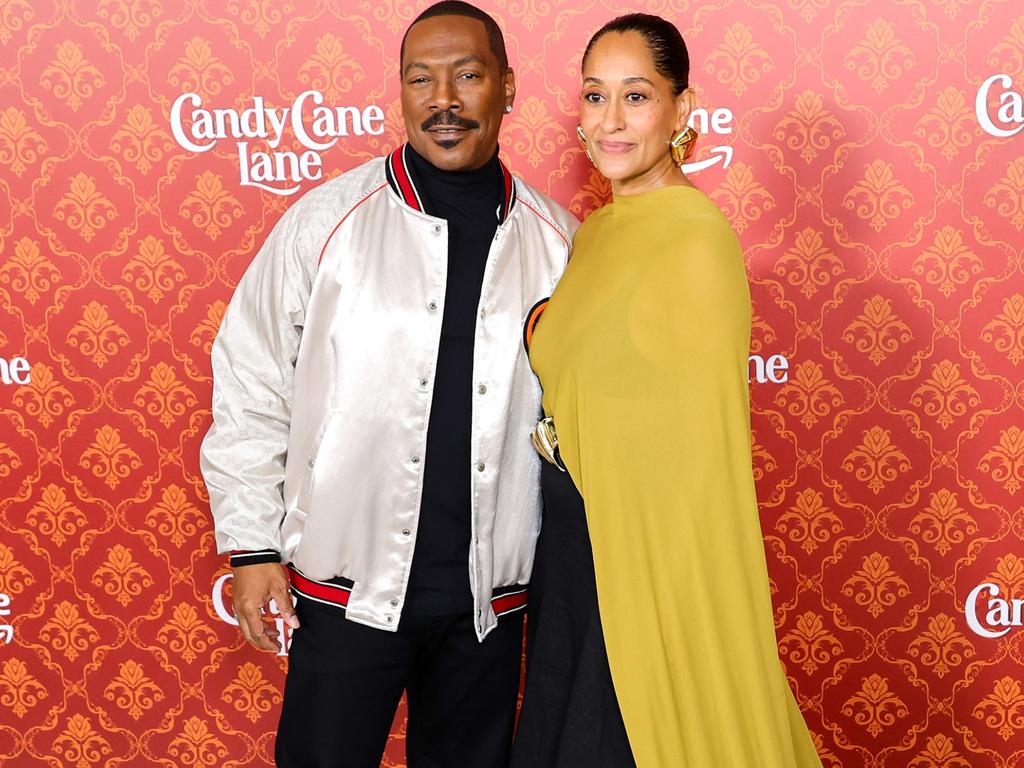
(642, 353)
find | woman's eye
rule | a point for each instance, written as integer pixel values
(593, 98)
(636, 98)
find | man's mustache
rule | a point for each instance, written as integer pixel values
(449, 119)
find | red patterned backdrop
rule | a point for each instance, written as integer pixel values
(881, 210)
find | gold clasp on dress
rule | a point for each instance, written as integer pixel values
(545, 440)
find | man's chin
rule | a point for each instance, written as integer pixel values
(449, 154)
(447, 141)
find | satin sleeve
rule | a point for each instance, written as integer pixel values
(253, 357)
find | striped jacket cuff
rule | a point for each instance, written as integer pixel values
(244, 557)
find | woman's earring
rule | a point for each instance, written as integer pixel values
(683, 144)
(583, 142)
(508, 108)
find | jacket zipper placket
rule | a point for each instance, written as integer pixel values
(492, 256)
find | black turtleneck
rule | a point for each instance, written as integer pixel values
(469, 201)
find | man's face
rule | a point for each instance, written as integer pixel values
(453, 93)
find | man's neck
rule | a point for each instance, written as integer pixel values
(486, 181)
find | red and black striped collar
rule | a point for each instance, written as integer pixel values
(396, 169)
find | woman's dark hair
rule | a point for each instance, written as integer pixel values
(671, 59)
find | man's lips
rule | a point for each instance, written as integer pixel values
(446, 130)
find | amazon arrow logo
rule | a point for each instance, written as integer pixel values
(723, 153)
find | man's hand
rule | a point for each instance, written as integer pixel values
(253, 587)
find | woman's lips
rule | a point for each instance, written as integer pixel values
(615, 147)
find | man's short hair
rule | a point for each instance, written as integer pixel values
(458, 8)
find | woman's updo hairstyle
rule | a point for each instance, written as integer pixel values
(671, 59)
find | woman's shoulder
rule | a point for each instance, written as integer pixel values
(693, 227)
(698, 246)
(671, 221)
(697, 213)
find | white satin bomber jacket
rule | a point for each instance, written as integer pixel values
(323, 378)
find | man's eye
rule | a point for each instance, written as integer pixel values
(417, 80)
(470, 75)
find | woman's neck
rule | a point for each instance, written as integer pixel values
(664, 173)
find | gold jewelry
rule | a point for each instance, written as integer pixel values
(545, 441)
(683, 144)
(583, 142)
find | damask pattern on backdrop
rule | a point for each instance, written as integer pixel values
(880, 204)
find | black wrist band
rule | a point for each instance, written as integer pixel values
(242, 557)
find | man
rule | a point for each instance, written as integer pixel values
(372, 409)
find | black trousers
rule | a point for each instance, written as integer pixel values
(345, 680)
(570, 716)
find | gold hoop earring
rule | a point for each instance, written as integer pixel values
(583, 142)
(683, 144)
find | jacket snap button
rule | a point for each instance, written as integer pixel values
(480, 467)
(437, 228)
(390, 619)
(406, 532)
(309, 463)
(394, 603)
(482, 389)
(415, 459)
(432, 306)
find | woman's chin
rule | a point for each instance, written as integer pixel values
(616, 170)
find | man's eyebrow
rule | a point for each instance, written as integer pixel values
(414, 65)
(467, 59)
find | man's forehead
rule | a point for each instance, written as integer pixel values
(443, 40)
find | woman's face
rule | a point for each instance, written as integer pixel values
(628, 112)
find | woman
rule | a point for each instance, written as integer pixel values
(642, 353)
